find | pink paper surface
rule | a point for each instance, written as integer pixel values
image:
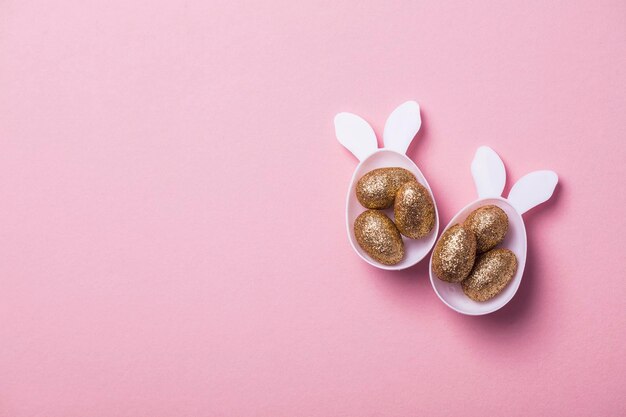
(172, 237)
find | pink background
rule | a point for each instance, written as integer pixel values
(172, 198)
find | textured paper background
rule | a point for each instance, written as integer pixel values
(172, 208)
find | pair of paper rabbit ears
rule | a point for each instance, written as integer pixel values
(487, 168)
(359, 138)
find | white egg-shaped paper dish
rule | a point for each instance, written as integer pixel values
(359, 138)
(530, 191)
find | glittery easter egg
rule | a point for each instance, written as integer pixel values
(414, 210)
(489, 224)
(377, 189)
(379, 237)
(454, 254)
(491, 273)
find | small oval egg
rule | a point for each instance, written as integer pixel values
(414, 210)
(489, 224)
(454, 254)
(379, 237)
(491, 273)
(377, 189)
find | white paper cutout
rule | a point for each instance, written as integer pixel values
(402, 126)
(533, 189)
(356, 135)
(488, 172)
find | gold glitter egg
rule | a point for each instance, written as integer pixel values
(492, 272)
(414, 210)
(454, 254)
(489, 224)
(379, 237)
(377, 189)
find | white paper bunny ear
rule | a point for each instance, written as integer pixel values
(532, 189)
(488, 172)
(402, 126)
(355, 134)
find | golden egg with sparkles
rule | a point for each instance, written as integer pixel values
(454, 254)
(489, 224)
(379, 237)
(377, 189)
(491, 274)
(414, 210)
